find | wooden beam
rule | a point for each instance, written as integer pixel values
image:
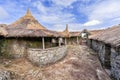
(59, 42)
(65, 41)
(77, 40)
(43, 42)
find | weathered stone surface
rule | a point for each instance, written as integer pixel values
(5, 75)
(47, 56)
(99, 47)
(18, 49)
(115, 64)
(109, 57)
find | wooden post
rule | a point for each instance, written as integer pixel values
(65, 41)
(59, 42)
(43, 42)
(77, 40)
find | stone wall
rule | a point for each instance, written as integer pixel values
(17, 48)
(108, 55)
(47, 56)
(115, 63)
(12, 48)
(89, 43)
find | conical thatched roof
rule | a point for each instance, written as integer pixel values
(66, 33)
(28, 26)
(29, 21)
(109, 36)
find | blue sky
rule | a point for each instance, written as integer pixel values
(55, 14)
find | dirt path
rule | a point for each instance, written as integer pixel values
(79, 64)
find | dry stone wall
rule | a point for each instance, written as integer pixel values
(47, 56)
(115, 63)
(108, 55)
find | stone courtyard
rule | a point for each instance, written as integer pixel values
(80, 63)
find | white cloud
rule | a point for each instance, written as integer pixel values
(92, 23)
(101, 13)
(64, 3)
(105, 10)
(40, 7)
(3, 13)
(53, 15)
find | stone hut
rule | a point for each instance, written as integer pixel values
(26, 34)
(84, 36)
(71, 38)
(27, 38)
(107, 44)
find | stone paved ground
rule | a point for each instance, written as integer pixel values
(80, 63)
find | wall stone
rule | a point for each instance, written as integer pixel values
(94, 45)
(5, 75)
(89, 43)
(47, 56)
(115, 63)
(11, 48)
(18, 48)
(101, 52)
(109, 57)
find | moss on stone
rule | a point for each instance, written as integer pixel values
(4, 49)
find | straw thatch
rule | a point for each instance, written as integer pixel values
(109, 36)
(66, 33)
(28, 26)
(31, 22)
(31, 33)
(74, 34)
(3, 32)
(93, 32)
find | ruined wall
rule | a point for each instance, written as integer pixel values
(115, 63)
(11, 48)
(16, 48)
(47, 56)
(108, 55)
(89, 43)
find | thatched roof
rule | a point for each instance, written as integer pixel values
(74, 34)
(3, 25)
(31, 33)
(66, 33)
(28, 26)
(29, 21)
(3, 31)
(93, 32)
(109, 36)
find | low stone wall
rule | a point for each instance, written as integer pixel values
(47, 56)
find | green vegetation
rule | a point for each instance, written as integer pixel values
(4, 49)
